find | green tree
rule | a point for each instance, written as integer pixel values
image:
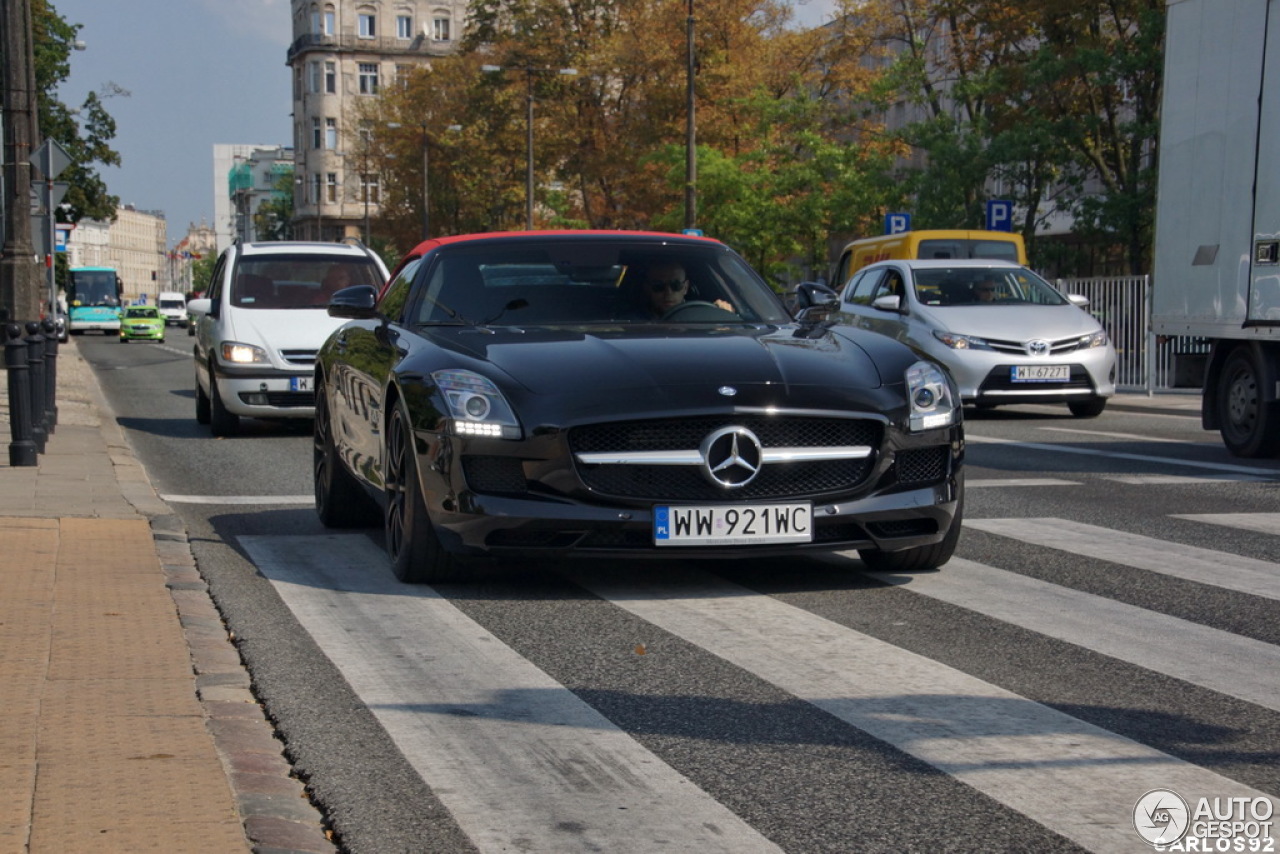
(274, 218)
(85, 134)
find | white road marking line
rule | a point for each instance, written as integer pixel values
(1269, 474)
(1262, 523)
(1211, 658)
(516, 766)
(1179, 480)
(1135, 436)
(986, 483)
(1074, 778)
(308, 500)
(1220, 569)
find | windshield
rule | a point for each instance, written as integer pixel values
(574, 282)
(984, 286)
(298, 281)
(140, 312)
(93, 287)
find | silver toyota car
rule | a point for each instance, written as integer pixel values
(1006, 335)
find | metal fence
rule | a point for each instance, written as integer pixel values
(1144, 361)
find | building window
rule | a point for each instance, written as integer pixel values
(402, 76)
(297, 83)
(371, 189)
(331, 187)
(315, 21)
(331, 133)
(331, 78)
(440, 30)
(404, 27)
(329, 21)
(315, 188)
(316, 140)
(313, 75)
(368, 78)
(368, 25)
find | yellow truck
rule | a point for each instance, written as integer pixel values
(936, 243)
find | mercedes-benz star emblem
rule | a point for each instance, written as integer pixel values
(727, 390)
(731, 457)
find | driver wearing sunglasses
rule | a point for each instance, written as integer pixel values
(666, 286)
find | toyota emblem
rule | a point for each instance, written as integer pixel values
(1038, 347)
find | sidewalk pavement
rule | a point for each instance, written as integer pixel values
(127, 720)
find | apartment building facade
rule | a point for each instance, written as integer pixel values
(134, 244)
(344, 51)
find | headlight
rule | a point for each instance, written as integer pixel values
(243, 354)
(1097, 339)
(961, 342)
(476, 407)
(932, 403)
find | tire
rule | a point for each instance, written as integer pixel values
(1090, 408)
(415, 551)
(921, 557)
(1250, 427)
(221, 421)
(202, 405)
(340, 501)
(124, 340)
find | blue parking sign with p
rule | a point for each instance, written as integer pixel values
(896, 223)
(999, 215)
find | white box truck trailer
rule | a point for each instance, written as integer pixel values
(1217, 227)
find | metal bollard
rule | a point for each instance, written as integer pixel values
(22, 450)
(35, 362)
(50, 330)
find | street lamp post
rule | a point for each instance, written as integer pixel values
(690, 145)
(529, 71)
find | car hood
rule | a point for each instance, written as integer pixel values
(1011, 322)
(283, 329)
(550, 361)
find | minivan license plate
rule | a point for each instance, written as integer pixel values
(732, 525)
(299, 383)
(1040, 373)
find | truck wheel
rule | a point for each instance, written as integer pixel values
(1250, 427)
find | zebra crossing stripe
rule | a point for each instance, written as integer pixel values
(507, 762)
(1074, 778)
(1220, 569)
(1211, 658)
(1262, 523)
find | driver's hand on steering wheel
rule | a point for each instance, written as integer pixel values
(725, 305)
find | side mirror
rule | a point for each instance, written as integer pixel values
(888, 302)
(814, 301)
(199, 306)
(354, 303)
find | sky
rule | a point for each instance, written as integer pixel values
(198, 72)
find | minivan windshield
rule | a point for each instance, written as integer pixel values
(298, 281)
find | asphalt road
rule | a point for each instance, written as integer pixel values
(1108, 627)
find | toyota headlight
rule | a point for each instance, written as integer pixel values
(933, 404)
(476, 406)
(1096, 339)
(961, 342)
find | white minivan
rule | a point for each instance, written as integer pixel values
(173, 308)
(265, 316)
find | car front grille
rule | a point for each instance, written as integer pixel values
(301, 358)
(688, 483)
(922, 465)
(1056, 348)
(283, 399)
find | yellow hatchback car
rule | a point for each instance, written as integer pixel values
(141, 323)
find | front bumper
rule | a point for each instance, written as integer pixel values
(986, 377)
(265, 392)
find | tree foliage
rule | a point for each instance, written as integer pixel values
(804, 138)
(86, 133)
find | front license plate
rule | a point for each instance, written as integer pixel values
(1040, 373)
(299, 383)
(733, 525)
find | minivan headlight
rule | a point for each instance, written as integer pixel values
(933, 404)
(243, 354)
(476, 406)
